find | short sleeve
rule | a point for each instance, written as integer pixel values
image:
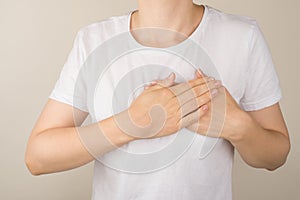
(262, 87)
(69, 87)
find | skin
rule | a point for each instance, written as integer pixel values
(56, 144)
(261, 137)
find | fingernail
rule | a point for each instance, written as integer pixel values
(204, 107)
(198, 72)
(211, 79)
(218, 83)
(214, 92)
(171, 76)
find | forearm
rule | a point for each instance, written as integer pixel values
(259, 147)
(60, 149)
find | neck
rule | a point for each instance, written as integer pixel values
(178, 15)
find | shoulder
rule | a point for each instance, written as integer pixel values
(110, 25)
(92, 35)
(232, 30)
(231, 23)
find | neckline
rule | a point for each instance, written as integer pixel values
(192, 35)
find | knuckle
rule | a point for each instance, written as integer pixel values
(202, 100)
(179, 113)
(208, 96)
(192, 83)
(211, 84)
(165, 92)
(177, 125)
(196, 91)
(203, 88)
(174, 103)
(208, 79)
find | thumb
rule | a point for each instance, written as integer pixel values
(199, 74)
(167, 82)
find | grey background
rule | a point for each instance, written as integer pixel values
(35, 39)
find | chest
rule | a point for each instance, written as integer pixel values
(111, 87)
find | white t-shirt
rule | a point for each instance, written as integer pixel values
(107, 68)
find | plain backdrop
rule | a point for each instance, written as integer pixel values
(35, 39)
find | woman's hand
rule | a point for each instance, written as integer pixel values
(161, 110)
(221, 117)
(165, 107)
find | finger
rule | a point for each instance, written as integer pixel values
(182, 87)
(200, 74)
(195, 103)
(167, 82)
(150, 85)
(193, 117)
(198, 91)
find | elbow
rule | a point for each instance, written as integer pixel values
(32, 164)
(277, 166)
(33, 159)
(284, 157)
(33, 169)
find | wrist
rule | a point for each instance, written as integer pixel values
(240, 125)
(114, 133)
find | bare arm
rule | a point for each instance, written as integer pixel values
(261, 137)
(55, 145)
(263, 141)
(58, 143)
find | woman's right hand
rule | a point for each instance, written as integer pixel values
(57, 144)
(165, 108)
